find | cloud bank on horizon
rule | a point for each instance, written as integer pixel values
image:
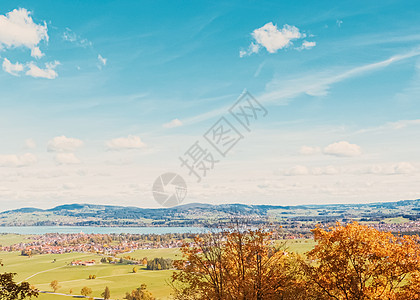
(97, 103)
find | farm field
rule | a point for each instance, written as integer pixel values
(10, 239)
(299, 246)
(40, 270)
(173, 253)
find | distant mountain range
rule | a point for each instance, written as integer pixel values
(197, 214)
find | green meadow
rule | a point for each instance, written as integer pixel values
(11, 239)
(300, 246)
(173, 253)
(40, 270)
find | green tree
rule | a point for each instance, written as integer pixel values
(107, 293)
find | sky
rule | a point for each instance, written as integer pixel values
(99, 98)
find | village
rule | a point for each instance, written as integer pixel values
(104, 244)
(114, 244)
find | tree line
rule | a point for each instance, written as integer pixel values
(349, 262)
(159, 264)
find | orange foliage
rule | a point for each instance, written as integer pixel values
(359, 262)
(233, 264)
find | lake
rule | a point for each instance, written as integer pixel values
(99, 230)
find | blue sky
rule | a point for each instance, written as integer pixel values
(98, 98)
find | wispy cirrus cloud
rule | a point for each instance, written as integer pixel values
(281, 92)
(72, 37)
(397, 125)
(101, 61)
(319, 84)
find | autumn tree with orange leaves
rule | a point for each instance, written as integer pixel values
(359, 262)
(349, 262)
(235, 264)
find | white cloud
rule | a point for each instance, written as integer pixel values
(404, 168)
(273, 39)
(130, 142)
(300, 170)
(30, 144)
(173, 123)
(48, 73)
(307, 45)
(307, 150)
(64, 144)
(13, 69)
(14, 160)
(67, 159)
(343, 149)
(36, 52)
(17, 29)
(253, 48)
(387, 169)
(297, 170)
(102, 61)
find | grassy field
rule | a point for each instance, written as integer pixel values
(40, 270)
(300, 246)
(10, 239)
(173, 253)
